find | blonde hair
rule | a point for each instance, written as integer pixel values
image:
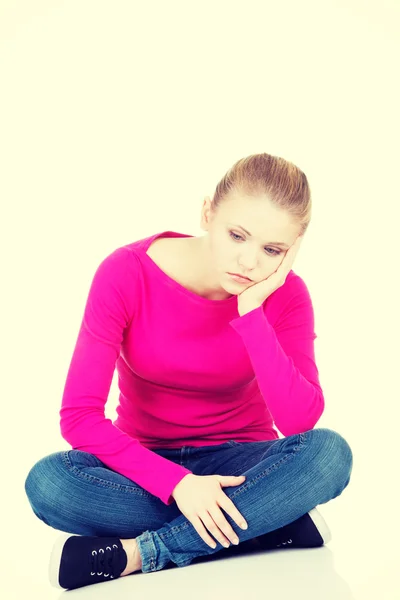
(284, 184)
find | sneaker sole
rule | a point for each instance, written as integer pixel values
(321, 525)
(55, 559)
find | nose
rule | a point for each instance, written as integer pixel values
(248, 262)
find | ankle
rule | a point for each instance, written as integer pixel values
(137, 555)
(134, 560)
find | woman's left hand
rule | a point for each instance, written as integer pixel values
(254, 296)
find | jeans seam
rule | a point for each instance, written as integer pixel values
(126, 489)
(147, 546)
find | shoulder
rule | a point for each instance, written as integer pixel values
(117, 262)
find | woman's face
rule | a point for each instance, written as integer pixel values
(255, 253)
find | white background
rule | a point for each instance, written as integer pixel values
(116, 120)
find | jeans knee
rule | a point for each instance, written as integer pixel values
(37, 487)
(33, 482)
(337, 450)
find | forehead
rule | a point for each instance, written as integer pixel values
(252, 209)
(260, 221)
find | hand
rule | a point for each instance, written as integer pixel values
(199, 497)
(253, 296)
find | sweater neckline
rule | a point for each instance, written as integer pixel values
(175, 284)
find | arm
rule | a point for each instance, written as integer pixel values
(109, 308)
(283, 356)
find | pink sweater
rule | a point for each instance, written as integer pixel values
(191, 371)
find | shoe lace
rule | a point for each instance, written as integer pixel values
(289, 541)
(105, 561)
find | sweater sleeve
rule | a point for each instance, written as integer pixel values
(109, 308)
(283, 358)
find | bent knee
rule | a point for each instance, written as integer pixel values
(335, 448)
(39, 483)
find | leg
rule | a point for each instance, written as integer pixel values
(133, 556)
(292, 476)
(73, 491)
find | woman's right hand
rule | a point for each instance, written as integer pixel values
(199, 498)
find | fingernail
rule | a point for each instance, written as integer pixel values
(243, 525)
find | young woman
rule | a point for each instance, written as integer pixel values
(209, 366)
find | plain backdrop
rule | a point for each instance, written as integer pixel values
(116, 120)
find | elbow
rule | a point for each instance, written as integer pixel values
(300, 425)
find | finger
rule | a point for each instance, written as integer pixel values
(201, 530)
(223, 525)
(296, 244)
(226, 503)
(294, 247)
(211, 525)
(290, 255)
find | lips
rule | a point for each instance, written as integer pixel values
(242, 276)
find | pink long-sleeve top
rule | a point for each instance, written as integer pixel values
(191, 371)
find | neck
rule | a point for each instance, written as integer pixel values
(200, 267)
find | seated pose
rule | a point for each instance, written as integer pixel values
(213, 340)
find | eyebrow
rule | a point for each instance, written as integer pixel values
(274, 243)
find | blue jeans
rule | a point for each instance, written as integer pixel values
(75, 492)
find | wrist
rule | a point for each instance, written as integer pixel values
(177, 485)
(246, 309)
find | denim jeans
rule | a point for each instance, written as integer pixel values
(73, 491)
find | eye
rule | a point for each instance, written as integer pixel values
(235, 236)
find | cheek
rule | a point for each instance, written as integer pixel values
(224, 257)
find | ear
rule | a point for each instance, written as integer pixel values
(205, 213)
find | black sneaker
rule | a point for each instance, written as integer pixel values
(309, 531)
(77, 560)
